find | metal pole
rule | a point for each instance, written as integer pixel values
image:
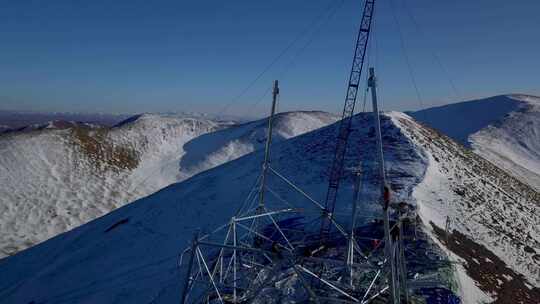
(194, 246)
(312, 296)
(268, 143)
(220, 257)
(372, 84)
(350, 255)
(396, 274)
(235, 236)
(403, 267)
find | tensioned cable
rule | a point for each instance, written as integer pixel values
(315, 34)
(255, 104)
(405, 54)
(436, 57)
(279, 56)
(249, 200)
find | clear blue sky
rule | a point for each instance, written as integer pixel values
(139, 55)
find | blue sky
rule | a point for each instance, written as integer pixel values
(157, 56)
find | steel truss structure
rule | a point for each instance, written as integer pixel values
(275, 254)
(344, 129)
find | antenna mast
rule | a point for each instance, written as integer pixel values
(275, 94)
(348, 112)
(385, 192)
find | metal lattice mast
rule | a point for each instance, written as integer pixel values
(267, 147)
(348, 112)
(251, 258)
(384, 193)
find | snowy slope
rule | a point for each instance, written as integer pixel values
(210, 150)
(131, 254)
(494, 218)
(58, 176)
(55, 179)
(503, 129)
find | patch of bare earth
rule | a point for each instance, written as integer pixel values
(492, 275)
(104, 154)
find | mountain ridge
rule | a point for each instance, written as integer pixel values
(504, 129)
(139, 244)
(59, 178)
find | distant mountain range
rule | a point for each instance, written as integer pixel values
(12, 121)
(18, 120)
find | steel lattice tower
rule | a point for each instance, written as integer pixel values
(264, 247)
(336, 170)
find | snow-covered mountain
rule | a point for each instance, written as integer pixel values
(131, 254)
(212, 149)
(503, 129)
(57, 176)
(492, 216)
